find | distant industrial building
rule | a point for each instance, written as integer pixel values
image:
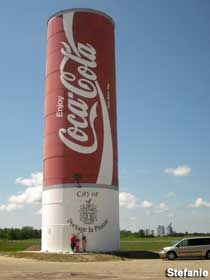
(160, 230)
(169, 229)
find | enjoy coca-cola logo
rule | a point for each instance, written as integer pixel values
(80, 115)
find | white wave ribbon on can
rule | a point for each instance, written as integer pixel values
(85, 55)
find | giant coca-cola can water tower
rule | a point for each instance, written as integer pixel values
(80, 188)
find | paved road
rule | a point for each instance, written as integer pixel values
(25, 269)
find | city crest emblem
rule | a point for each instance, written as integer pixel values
(88, 212)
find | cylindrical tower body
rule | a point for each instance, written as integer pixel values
(80, 188)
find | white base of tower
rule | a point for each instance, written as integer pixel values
(91, 209)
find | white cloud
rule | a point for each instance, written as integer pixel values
(35, 180)
(128, 200)
(10, 207)
(31, 195)
(200, 203)
(183, 170)
(146, 204)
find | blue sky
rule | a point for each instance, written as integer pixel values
(163, 70)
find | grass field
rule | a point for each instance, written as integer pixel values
(126, 244)
(18, 245)
(153, 244)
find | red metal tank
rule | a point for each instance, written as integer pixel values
(80, 134)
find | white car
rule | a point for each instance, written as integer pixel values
(189, 247)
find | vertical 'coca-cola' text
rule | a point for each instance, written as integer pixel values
(79, 89)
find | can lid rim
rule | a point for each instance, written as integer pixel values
(61, 12)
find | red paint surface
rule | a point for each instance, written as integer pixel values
(60, 162)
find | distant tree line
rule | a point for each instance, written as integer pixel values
(31, 233)
(143, 233)
(140, 233)
(20, 234)
(191, 233)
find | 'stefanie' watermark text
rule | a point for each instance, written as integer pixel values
(174, 272)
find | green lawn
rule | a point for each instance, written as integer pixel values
(129, 243)
(165, 238)
(153, 244)
(17, 245)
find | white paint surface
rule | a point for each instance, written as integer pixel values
(61, 212)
